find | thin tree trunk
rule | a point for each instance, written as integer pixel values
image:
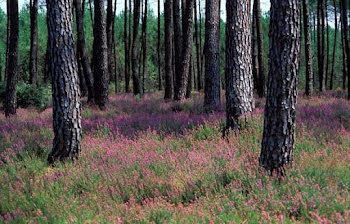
(116, 79)
(198, 49)
(345, 69)
(238, 68)
(255, 63)
(320, 44)
(82, 50)
(126, 48)
(212, 77)
(100, 56)
(33, 64)
(327, 49)
(12, 59)
(182, 80)
(279, 120)
(8, 2)
(260, 42)
(177, 40)
(344, 14)
(109, 32)
(135, 49)
(160, 87)
(168, 43)
(144, 45)
(335, 43)
(65, 89)
(308, 51)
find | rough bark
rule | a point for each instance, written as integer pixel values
(126, 49)
(65, 88)
(33, 61)
(321, 45)
(260, 42)
(308, 53)
(182, 80)
(168, 43)
(279, 121)
(84, 57)
(100, 56)
(177, 39)
(327, 45)
(135, 49)
(12, 58)
(345, 69)
(255, 63)
(238, 68)
(212, 56)
(334, 44)
(344, 14)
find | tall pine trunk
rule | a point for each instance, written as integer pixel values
(33, 61)
(144, 46)
(334, 44)
(109, 32)
(260, 42)
(238, 68)
(135, 49)
(160, 87)
(279, 120)
(182, 79)
(12, 58)
(198, 49)
(212, 99)
(327, 46)
(100, 56)
(177, 39)
(308, 53)
(126, 49)
(344, 14)
(168, 43)
(65, 88)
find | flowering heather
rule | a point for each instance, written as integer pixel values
(148, 161)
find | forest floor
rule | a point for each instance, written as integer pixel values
(145, 160)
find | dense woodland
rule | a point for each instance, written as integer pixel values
(237, 119)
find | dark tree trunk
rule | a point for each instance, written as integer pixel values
(126, 49)
(260, 42)
(144, 47)
(344, 14)
(327, 46)
(33, 61)
(279, 123)
(65, 88)
(135, 49)
(198, 50)
(212, 56)
(182, 80)
(47, 73)
(177, 39)
(89, 79)
(109, 32)
(81, 80)
(335, 44)
(116, 78)
(238, 68)
(308, 54)
(345, 69)
(160, 87)
(168, 43)
(100, 56)
(8, 2)
(321, 45)
(190, 77)
(12, 59)
(255, 63)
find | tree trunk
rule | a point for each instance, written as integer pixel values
(335, 44)
(109, 32)
(177, 39)
(12, 59)
(321, 45)
(47, 72)
(308, 54)
(198, 49)
(212, 99)
(100, 56)
(345, 69)
(135, 49)
(260, 42)
(168, 43)
(82, 50)
(344, 14)
(65, 89)
(116, 79)
(144, 46)
(182, 80)
(126, 48)
(158, 50)
(327, 47)
(279, 123)
(255, 63)
(33, 64)
(238, 68)
(91, 15)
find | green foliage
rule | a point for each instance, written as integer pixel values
(31, 95)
